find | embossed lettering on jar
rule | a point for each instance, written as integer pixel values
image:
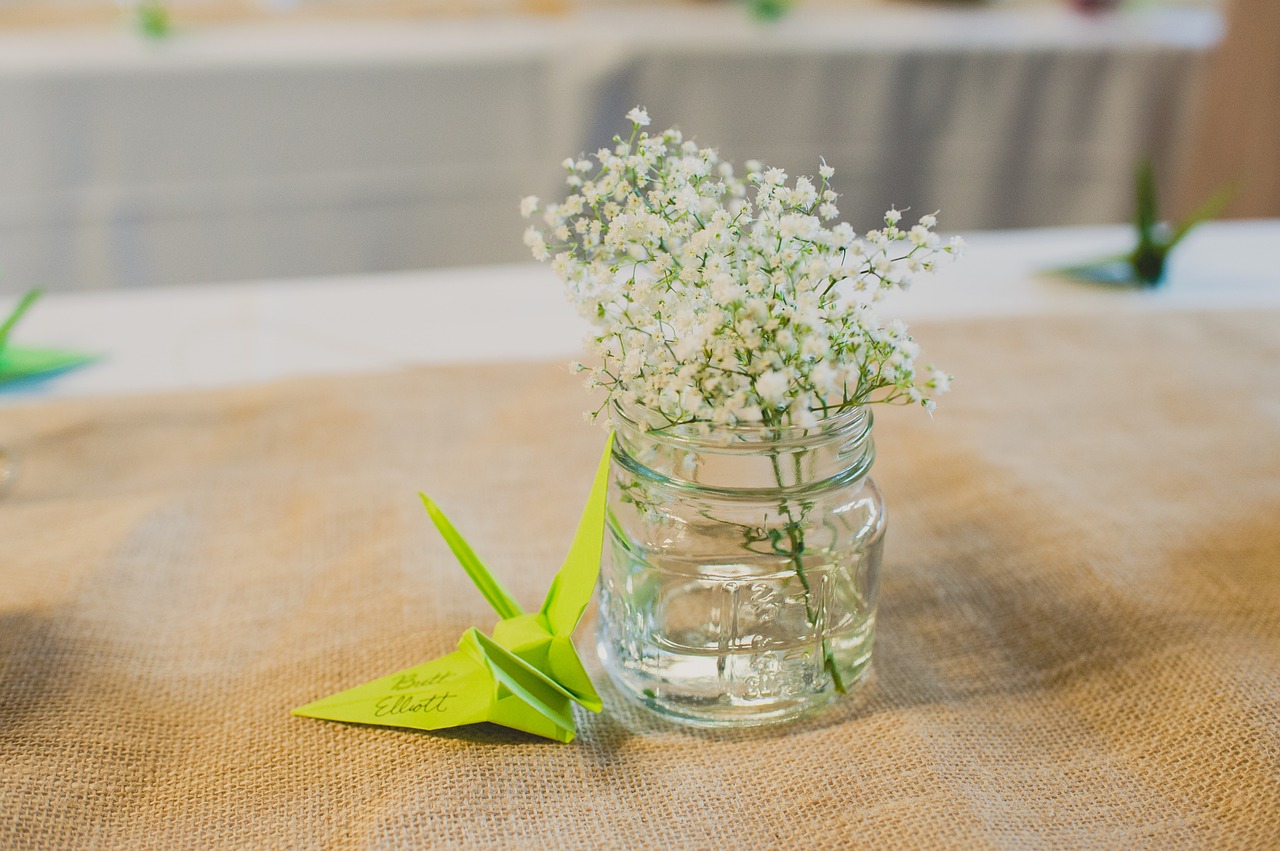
(738, 580)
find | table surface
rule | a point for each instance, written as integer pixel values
(245, 332)
(1078, 627)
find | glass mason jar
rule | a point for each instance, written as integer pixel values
(738, 579)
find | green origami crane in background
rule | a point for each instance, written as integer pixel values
(1145, 265)
(152, 19)
(525, 677)
(17, 363)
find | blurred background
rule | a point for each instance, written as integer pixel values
(218, 140)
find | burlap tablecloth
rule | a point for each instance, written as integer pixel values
(1079, 638)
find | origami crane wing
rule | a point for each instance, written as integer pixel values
(527, 698)
(525, 677)
(573, 585)
(502, 602)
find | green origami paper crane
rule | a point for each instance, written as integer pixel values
(526, 676)
(1145, 265)
(22, 363)
(151, 17)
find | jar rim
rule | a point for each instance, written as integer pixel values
(744, 437)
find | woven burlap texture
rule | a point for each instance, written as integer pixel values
(1079, 638)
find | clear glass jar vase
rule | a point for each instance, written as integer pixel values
(738, 579)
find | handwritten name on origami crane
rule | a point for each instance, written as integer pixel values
(411, 681)
(406, 704)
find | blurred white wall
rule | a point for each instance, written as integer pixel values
(261, 151)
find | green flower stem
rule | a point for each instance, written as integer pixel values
(795, 551)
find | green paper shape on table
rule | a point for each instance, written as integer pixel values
(19, 363)
(1145, 265)
(525, 677)
(152, 19)
(768, 11)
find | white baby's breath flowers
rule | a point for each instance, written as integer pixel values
(725, 300)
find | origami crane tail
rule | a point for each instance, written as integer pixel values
(576, 580)
(449, 691)
(502, 602)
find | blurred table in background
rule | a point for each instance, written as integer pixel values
(205, 336)
(266, 150)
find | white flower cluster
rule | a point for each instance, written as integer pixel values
(728, 300)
